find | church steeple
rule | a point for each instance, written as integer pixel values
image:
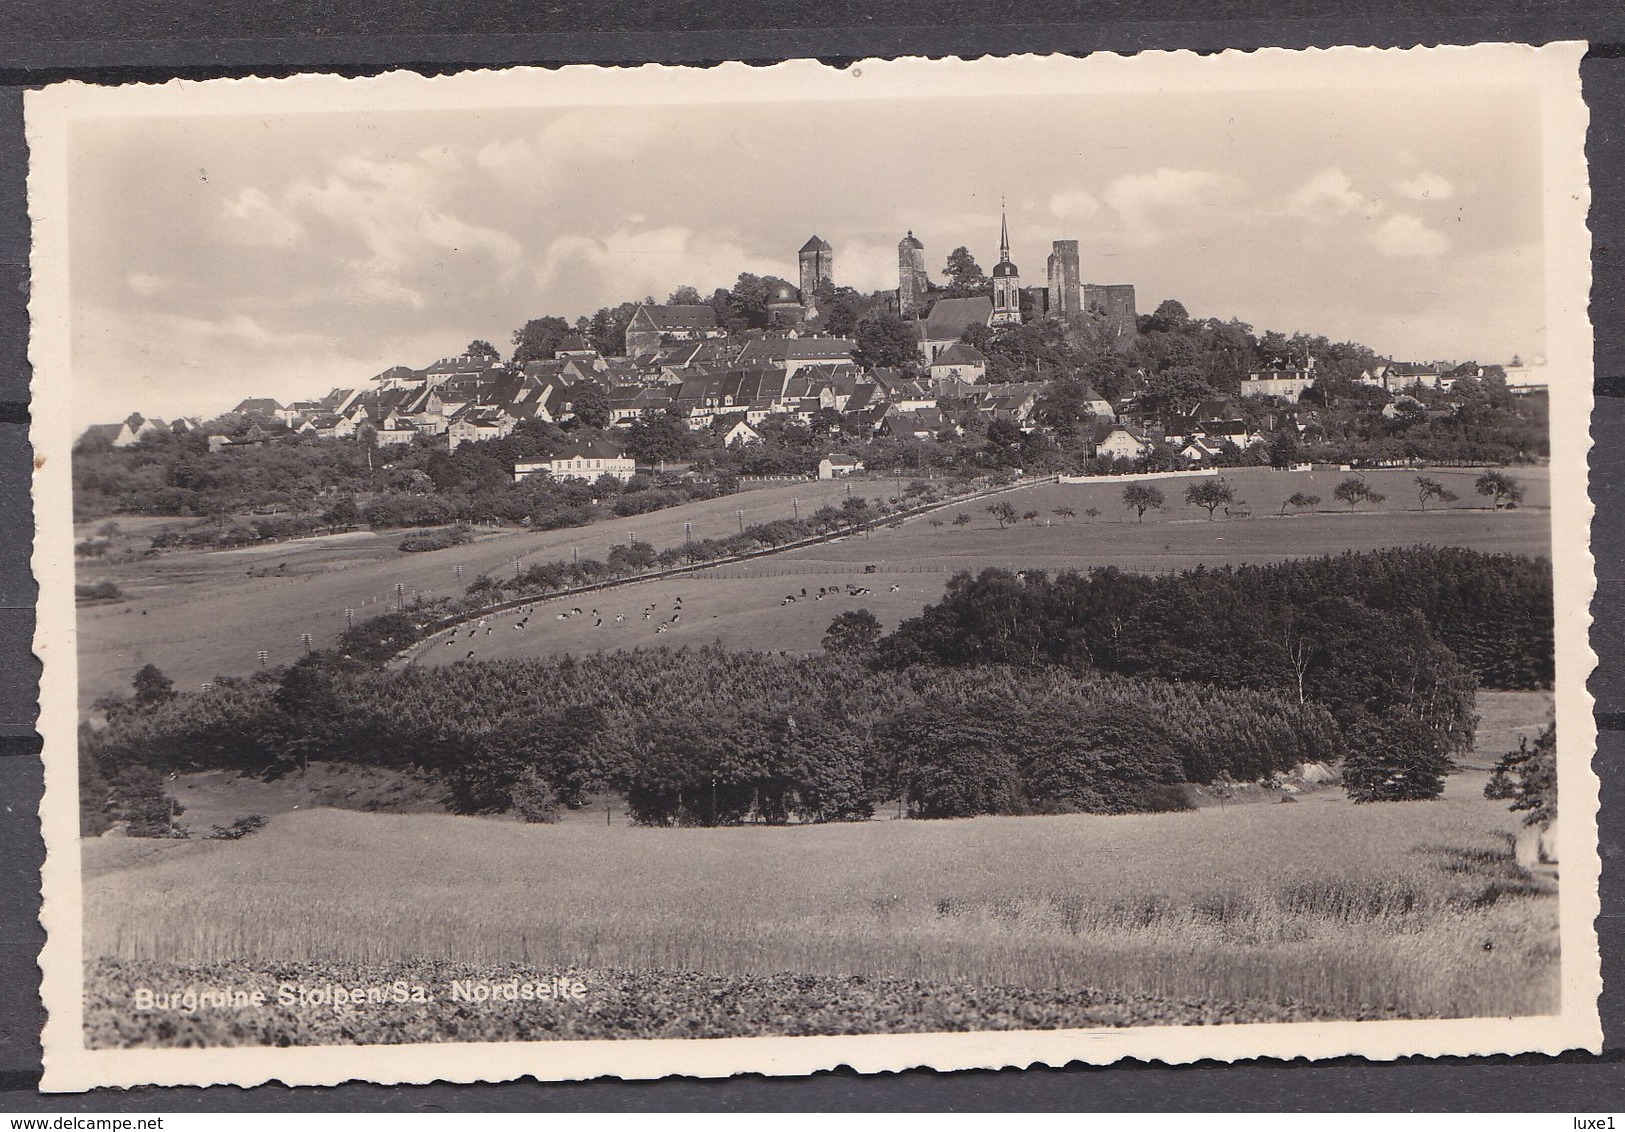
(1006, 280)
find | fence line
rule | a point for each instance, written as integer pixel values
(811, 569)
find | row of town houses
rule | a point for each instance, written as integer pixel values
(686, 366)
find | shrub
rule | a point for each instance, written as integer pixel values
(1395, 760)
(1527, 778)
(238, 829)
(435, 540)
(533, 799)
(98, 591)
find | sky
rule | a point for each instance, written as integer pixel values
(220, 256)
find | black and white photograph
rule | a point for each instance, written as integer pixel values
(759, 569)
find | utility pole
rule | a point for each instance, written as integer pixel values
(795, 508)
(400, 596)
(349, 616)
(304, 639)
(262, 656)
(741, 514)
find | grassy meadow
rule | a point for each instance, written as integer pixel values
(744, 605)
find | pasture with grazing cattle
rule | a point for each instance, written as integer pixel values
(746, 605)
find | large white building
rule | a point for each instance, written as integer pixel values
(584, 460)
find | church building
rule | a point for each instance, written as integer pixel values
(1006, 283)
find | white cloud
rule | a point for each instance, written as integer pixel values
(145, 284)
(1426, 186)
(1404, 235)
(410, 237)
(569, 143)
(577, 272)
(1076, 204)
(252, 218)
(1150, 205)
(867, 265)
(1330, 195)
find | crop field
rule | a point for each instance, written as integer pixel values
(1311, 909)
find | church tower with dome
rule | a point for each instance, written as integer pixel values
(1006, 283)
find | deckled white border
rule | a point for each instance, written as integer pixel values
(1553, 70)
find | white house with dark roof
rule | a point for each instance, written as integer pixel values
(477, 422)
(960, 366)
(838, 464)
(1120, 441)
(581, 460)
(136, 427)
(652, 326)
(1288, 384)
(741, 434)
(794, 354)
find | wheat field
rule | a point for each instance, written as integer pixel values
(1412, 909)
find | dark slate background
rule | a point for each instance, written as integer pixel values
(151, 40)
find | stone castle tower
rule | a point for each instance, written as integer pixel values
(1065, 291)
(817, 267)
(1006, 284)
(912, 281)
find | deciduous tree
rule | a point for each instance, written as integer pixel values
(886, 340)
(1142, 497)
(1210, 494)
(1501, 488)
(853, 632)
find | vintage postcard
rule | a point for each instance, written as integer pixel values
(757, 569)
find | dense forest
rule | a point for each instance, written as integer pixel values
(1014, 694)
(1241, 626)
(711, 736)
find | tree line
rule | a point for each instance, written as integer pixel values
(710, 736)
